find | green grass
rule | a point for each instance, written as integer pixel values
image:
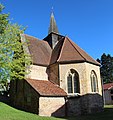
(10, 113)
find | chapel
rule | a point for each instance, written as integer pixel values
(63, 80)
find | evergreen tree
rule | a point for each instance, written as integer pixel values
(106, 68)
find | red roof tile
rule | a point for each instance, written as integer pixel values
(107, 86)
(40, 50)
(46, 88)
(68, 51)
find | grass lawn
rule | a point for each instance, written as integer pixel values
(9, 113)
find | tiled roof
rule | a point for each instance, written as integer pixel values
(46, 88)
(67, 51)
(40, 50)
(107, 86)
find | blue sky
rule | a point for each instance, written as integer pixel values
(89, 23)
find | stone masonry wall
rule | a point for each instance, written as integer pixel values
(73, 107)
(80, 68)
(89, 68)
(17, 93)
(38, 72)
(31, 99)
(52, 106)
(24, 96)
(86, 104)
(89, 101)
(84, 71)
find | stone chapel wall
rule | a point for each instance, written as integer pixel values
(80, 69)
(88, 101)
(52, 106)
(38, 72)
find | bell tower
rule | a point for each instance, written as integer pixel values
(53, 33)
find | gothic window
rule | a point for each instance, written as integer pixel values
(70, 87)
(73, 82)
(94, 83)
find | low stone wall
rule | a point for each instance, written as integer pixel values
(73, 106)
(86, 104)
(96, 103)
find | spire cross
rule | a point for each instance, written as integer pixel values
(52, 9)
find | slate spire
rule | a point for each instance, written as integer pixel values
(53, 26)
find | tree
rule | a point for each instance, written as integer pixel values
(13, 59)
(106, 68)
(3, 19)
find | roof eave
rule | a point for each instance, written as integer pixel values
(53, 95)
(76, 61)
(44, 65)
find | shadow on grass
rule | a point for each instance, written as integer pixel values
(107, 114)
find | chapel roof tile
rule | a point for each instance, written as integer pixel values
(67, 51)
(40, 50)
(46, 88)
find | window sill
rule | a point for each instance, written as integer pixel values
(94, 92)
(75, 95)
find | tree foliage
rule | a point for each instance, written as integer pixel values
(3, 19)
(13, 59)
(106, 68)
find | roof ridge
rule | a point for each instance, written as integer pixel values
(61, 49)
(76, 49)
(40, 40)
(32, 37)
